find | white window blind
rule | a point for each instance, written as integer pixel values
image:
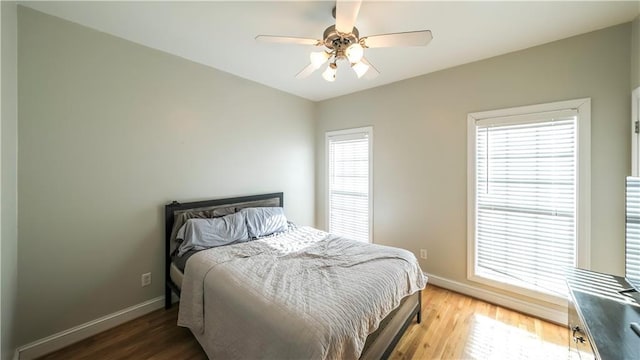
(633, 229)
(349, 183)
(525, 191)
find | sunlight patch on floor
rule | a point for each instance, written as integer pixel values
(492, 339)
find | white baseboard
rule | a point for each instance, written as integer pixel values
(543, 312)
(65, 338)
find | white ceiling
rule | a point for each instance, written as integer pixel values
(221, 34)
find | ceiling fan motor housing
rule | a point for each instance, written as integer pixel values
(338, 41)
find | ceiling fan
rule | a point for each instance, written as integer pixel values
(342, 41)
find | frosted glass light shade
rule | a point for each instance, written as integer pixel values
(330, 73)
(354, 52)
(360, 68)
(318, 58)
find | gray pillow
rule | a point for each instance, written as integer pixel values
(200, 234)
(181, 216)
(263, 221)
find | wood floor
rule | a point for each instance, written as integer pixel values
(453, 326)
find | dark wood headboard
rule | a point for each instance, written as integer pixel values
(169, 219)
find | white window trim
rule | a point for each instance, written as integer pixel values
(635, 117)
(583, 184)
(369, 131)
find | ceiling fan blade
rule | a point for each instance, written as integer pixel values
(372, 73)
(411, 38)
(287, 40)
(306, 71)
(346, 14)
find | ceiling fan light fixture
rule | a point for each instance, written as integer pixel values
(342, 41)
(354, 52)
(330, 73)
(360, 68)
(318, 58)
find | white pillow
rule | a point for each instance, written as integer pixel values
(200, 234)
(263, 221)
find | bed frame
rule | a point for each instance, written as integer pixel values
(387, 335)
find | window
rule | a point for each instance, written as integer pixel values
(349, 183)
(632, 229)
(632, 243)
(529, 196)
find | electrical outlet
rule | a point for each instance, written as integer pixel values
(423, 253)
(145, 279)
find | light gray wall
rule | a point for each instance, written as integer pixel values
(9, 178)
(109, 132)
(635, 52)
(420, 142)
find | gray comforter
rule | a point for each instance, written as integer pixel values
(304, 294)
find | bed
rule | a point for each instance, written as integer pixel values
(237, 303)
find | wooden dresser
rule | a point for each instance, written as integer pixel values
(599, 317)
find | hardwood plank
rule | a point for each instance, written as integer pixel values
(153, 336)
(454, 326)
(460, 327)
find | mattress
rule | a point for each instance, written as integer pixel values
(284, 272)
(377, 342)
